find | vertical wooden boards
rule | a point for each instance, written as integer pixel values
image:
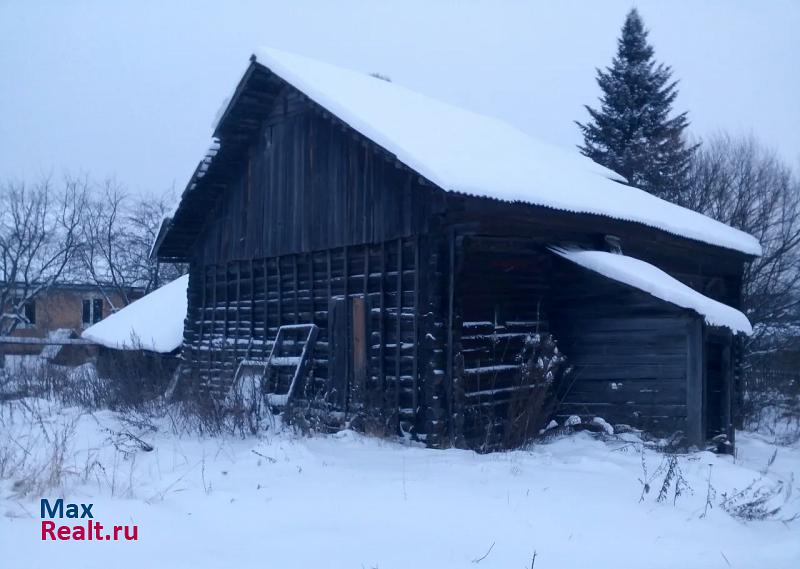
(305, 182)
(451, 324)
(728, 391)
(337, 363)
(359, 350)
(695, 376)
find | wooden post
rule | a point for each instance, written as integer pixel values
(252, 300)
(382, 332)
(727, 394)
(296, 290)
(238, 304)
(265, 350)
(694, 383)
(279, 286)
(451, 284)
(346, 337)
(415, 370)
(398, 340)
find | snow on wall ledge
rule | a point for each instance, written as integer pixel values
(153, 323)
(461, 151)
(654, 281)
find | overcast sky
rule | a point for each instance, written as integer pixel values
(130, 89)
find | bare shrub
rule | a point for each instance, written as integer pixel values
(34, 450)
(667, 477)
(243, 411)
(771, 400)
(118, 230)
(738, 181)
(542, 367)
(39, 239)
(134, 376)
(759, 501)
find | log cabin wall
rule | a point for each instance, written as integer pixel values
(303, 219)
(315, 219)
(236, 308)
(710, 270)
(502, 287)
(632, 353)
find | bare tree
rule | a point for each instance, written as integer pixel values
(39, 237)
(740, 182)
(118, 232)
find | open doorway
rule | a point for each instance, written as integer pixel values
(717, 385)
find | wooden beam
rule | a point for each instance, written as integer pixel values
(695, 434)
(296, 290)
(398, 340)
(415, 372)
(27, 340)
(382, 331)
(450, 329)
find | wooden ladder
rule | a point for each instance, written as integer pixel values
(306, 336)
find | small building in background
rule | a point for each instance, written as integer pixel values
(63, 312)
(139, 344)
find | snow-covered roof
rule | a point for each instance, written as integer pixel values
(654, 281)
(465, 152)
(153, 322)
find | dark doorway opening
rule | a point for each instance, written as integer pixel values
(716, 392)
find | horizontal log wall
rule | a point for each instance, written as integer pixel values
(501, 289)
(629, 351)
(235, 311)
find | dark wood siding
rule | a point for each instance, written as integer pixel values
(710, 270)
(429, 294)
(236, 308)
(307, 184)
(630, 352)
(502, 287)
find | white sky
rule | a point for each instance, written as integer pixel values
(130, 89)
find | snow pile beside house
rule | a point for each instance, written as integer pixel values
(654, 281)
(462, 151)
(153, 322)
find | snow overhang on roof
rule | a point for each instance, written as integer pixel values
(153, 323)
(654, 281)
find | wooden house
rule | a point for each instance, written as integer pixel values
(57, 316)
(426, 242)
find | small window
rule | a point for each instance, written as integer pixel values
(92, 312)
(97, 310)
(30, 311)
(87, 311)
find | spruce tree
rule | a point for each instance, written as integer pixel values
(632, 132)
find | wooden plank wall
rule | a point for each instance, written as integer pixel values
(502, 286)
(236, 308)
(306, 183)
(630, 352)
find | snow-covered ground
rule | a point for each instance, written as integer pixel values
(281, 500)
